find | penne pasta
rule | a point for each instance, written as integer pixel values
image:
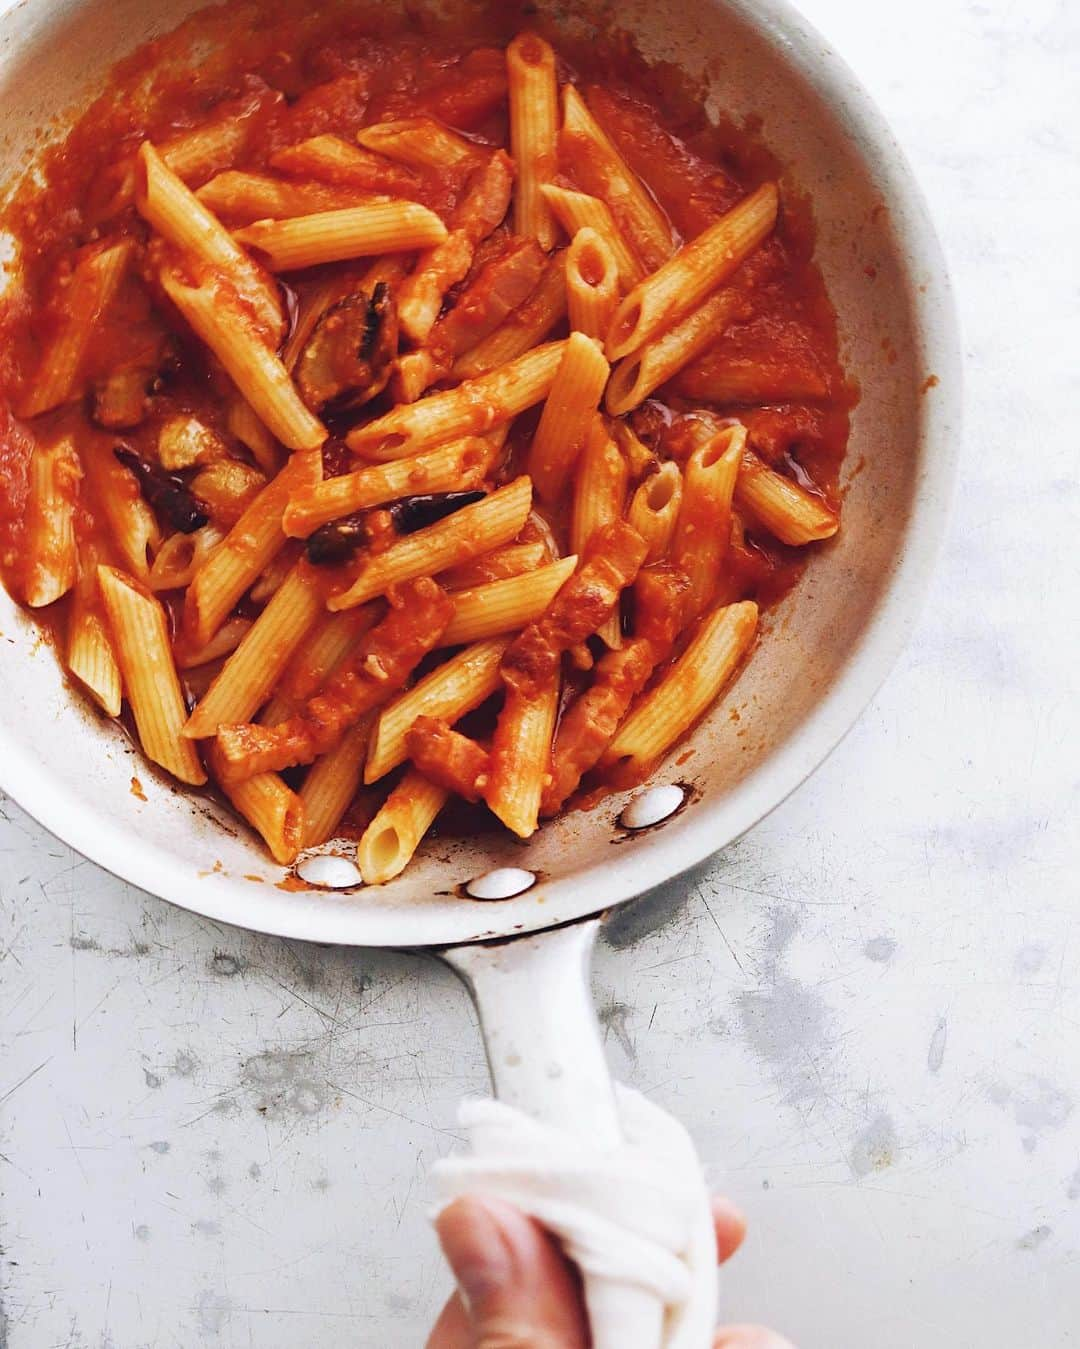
(141, 637)
(132, 524)
(654, 509)
(577, 211)
(592, 284)
(253, 669)
(232, 568)
(51, 553)
(787, 510)
(243, 198)
(698, 268)
(502, 606)
(448, 692)
(181, 556)
(599, 497)
(391, 839)
(575, 393)
(472, 408)
(704, 524)
(534, 126)
(92, 660)
(454, 467)
(333, 160)
(253, 365)
(523, 329)
(421, 295)
(332, 782)
(270, 806)
(602, 171)
(466, 534)
(90, 655)
(520, 764)
(645, 370)
(667, 711)
(335, 236)
(420, 142)
(89, 293)
(177, 214)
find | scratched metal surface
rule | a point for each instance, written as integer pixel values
(866, 1011)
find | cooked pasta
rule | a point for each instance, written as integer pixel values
(422, 431)
(574, 394)
(602, 171)
(599, 498)
(51, 548)
(577, 211)
(654, 509)
(534, 124)
(667, 711)
(336, 236)
(390, 840)
(592, 283)
(470, 409)
(695, 270)
(704, 522)
(421, 142)
(141, 638)
(329, 788)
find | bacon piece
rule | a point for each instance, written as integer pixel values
(611, 560)
(447, 758)
(383, 660)
(482, 209)
(588, 726)
(500, 286)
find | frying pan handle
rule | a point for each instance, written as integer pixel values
(546, 1058)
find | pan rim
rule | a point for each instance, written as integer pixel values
(702, 832)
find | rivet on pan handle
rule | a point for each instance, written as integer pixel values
(546, 1058)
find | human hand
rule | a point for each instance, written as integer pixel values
(516, 1290)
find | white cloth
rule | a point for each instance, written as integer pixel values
(637, 1215)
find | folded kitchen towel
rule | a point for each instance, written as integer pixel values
(636, 1215)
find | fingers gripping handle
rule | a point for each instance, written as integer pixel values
(546, 1059)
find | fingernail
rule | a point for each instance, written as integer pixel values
(473, 1241)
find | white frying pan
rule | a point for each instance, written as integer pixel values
(824, 653)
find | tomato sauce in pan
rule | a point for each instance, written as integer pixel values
(288, 73)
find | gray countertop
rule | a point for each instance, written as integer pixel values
(867, 1011)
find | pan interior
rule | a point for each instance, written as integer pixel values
(825, 650)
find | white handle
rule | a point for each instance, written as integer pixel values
(546, 1058)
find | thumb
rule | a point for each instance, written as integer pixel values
(518, 1288)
